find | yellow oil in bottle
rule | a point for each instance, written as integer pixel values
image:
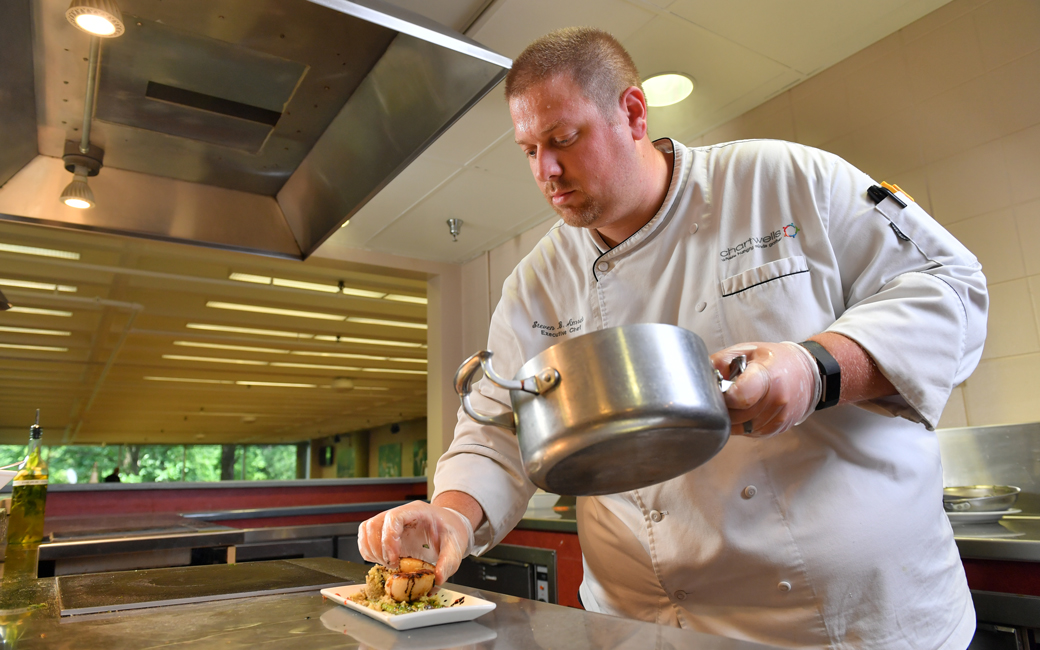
(29, 494)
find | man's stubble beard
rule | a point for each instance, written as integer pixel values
(583, 216)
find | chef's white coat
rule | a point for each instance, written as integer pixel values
(830, 535)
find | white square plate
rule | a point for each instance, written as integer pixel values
(468, 609)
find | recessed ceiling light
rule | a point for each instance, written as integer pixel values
(97, 17)
(667, 89)
(220, 346)
(257, 309)
(397, 297)
(309, 286)
(363, 293)
(243, 362)
(42, 252)
(395, 370)
(186, 380)
(33, 330)
(275, 384)
(312, 366)
(38, 311)
(388, 323)
(43, 286)
(340, 355)
(41, 348)
(247, 330)
(350, 339)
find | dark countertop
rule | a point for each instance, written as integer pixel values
(306, 621)
(1015, 537)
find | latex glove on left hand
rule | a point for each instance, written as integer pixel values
(779, 388)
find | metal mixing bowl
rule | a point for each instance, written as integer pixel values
(979, 498)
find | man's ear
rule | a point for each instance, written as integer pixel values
(633, 107)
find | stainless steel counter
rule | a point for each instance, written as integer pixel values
(306, 621)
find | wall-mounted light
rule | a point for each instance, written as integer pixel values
(667, 88)
(97, 17)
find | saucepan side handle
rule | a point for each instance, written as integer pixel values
(463, 386)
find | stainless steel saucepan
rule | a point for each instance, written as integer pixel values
(613, 410)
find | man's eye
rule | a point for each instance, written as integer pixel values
(530, 154)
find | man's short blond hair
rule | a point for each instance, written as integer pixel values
(594, 59)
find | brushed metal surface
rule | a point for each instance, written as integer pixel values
(997, 455)
(17, 89)
(412, 95)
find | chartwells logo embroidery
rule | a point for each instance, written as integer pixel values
(765, 241)
(572, 326)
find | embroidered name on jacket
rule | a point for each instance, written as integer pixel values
(572, 326)
(765, 241)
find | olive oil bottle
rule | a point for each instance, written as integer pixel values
(29, 496)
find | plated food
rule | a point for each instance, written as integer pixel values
(454, 607)
(399, 591)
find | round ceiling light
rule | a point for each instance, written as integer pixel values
(667, 88)
(97, 17)
(78, 194)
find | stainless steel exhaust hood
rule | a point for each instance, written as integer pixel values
(253, 125)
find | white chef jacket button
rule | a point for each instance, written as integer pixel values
(701, 306)
(680, 595)
(603, 266)
(694, 229)
(749, 491)
(655, 515)
(784, 586)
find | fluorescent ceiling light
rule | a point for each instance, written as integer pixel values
(313, 366)
(191, 381)
(363, 293)
(38, 311)
(42, 252)
(248, 277)
(388, 323)
(309, 286)
(44, 286)
(247, 330)
(350, 339)
(242, 362)
(257, 309)
(667, 89)
(220, 346)
(341, 355)
(397, 297)
(370, 388)
(395, 370)
(275, 384)
(406, 360)
(33, 330)
(41, 348)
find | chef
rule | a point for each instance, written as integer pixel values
(820, 523)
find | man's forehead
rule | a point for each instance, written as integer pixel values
(544, 108)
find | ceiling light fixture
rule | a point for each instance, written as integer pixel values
(40, 348)
(309, 286)
(241, 362)
(395, 370)
(667, 88)
(38, 311)
(312, 366)
(275, 384)
(44, 286)
(78, 194)
(389, 323)
(325, 288)
(340, 355)
(41, 252)
(396, 297)
(407, 360)
(370, 388)
(361, 293)
(33, 330)
(238, 348)
(186, 380)
(349, 339)
(246, 330)
(96, 17)
(257, 309)
(249, 277)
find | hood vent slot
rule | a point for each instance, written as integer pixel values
(204, 102)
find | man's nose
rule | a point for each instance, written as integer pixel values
(546, 166)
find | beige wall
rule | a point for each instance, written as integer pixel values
(410, 432)
(948, 108)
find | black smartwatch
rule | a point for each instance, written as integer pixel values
(830, 374)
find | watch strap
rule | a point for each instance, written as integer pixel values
(830, 374)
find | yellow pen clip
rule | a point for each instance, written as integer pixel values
(895, 188)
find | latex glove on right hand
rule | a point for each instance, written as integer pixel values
(446, 536)
(779, 388)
